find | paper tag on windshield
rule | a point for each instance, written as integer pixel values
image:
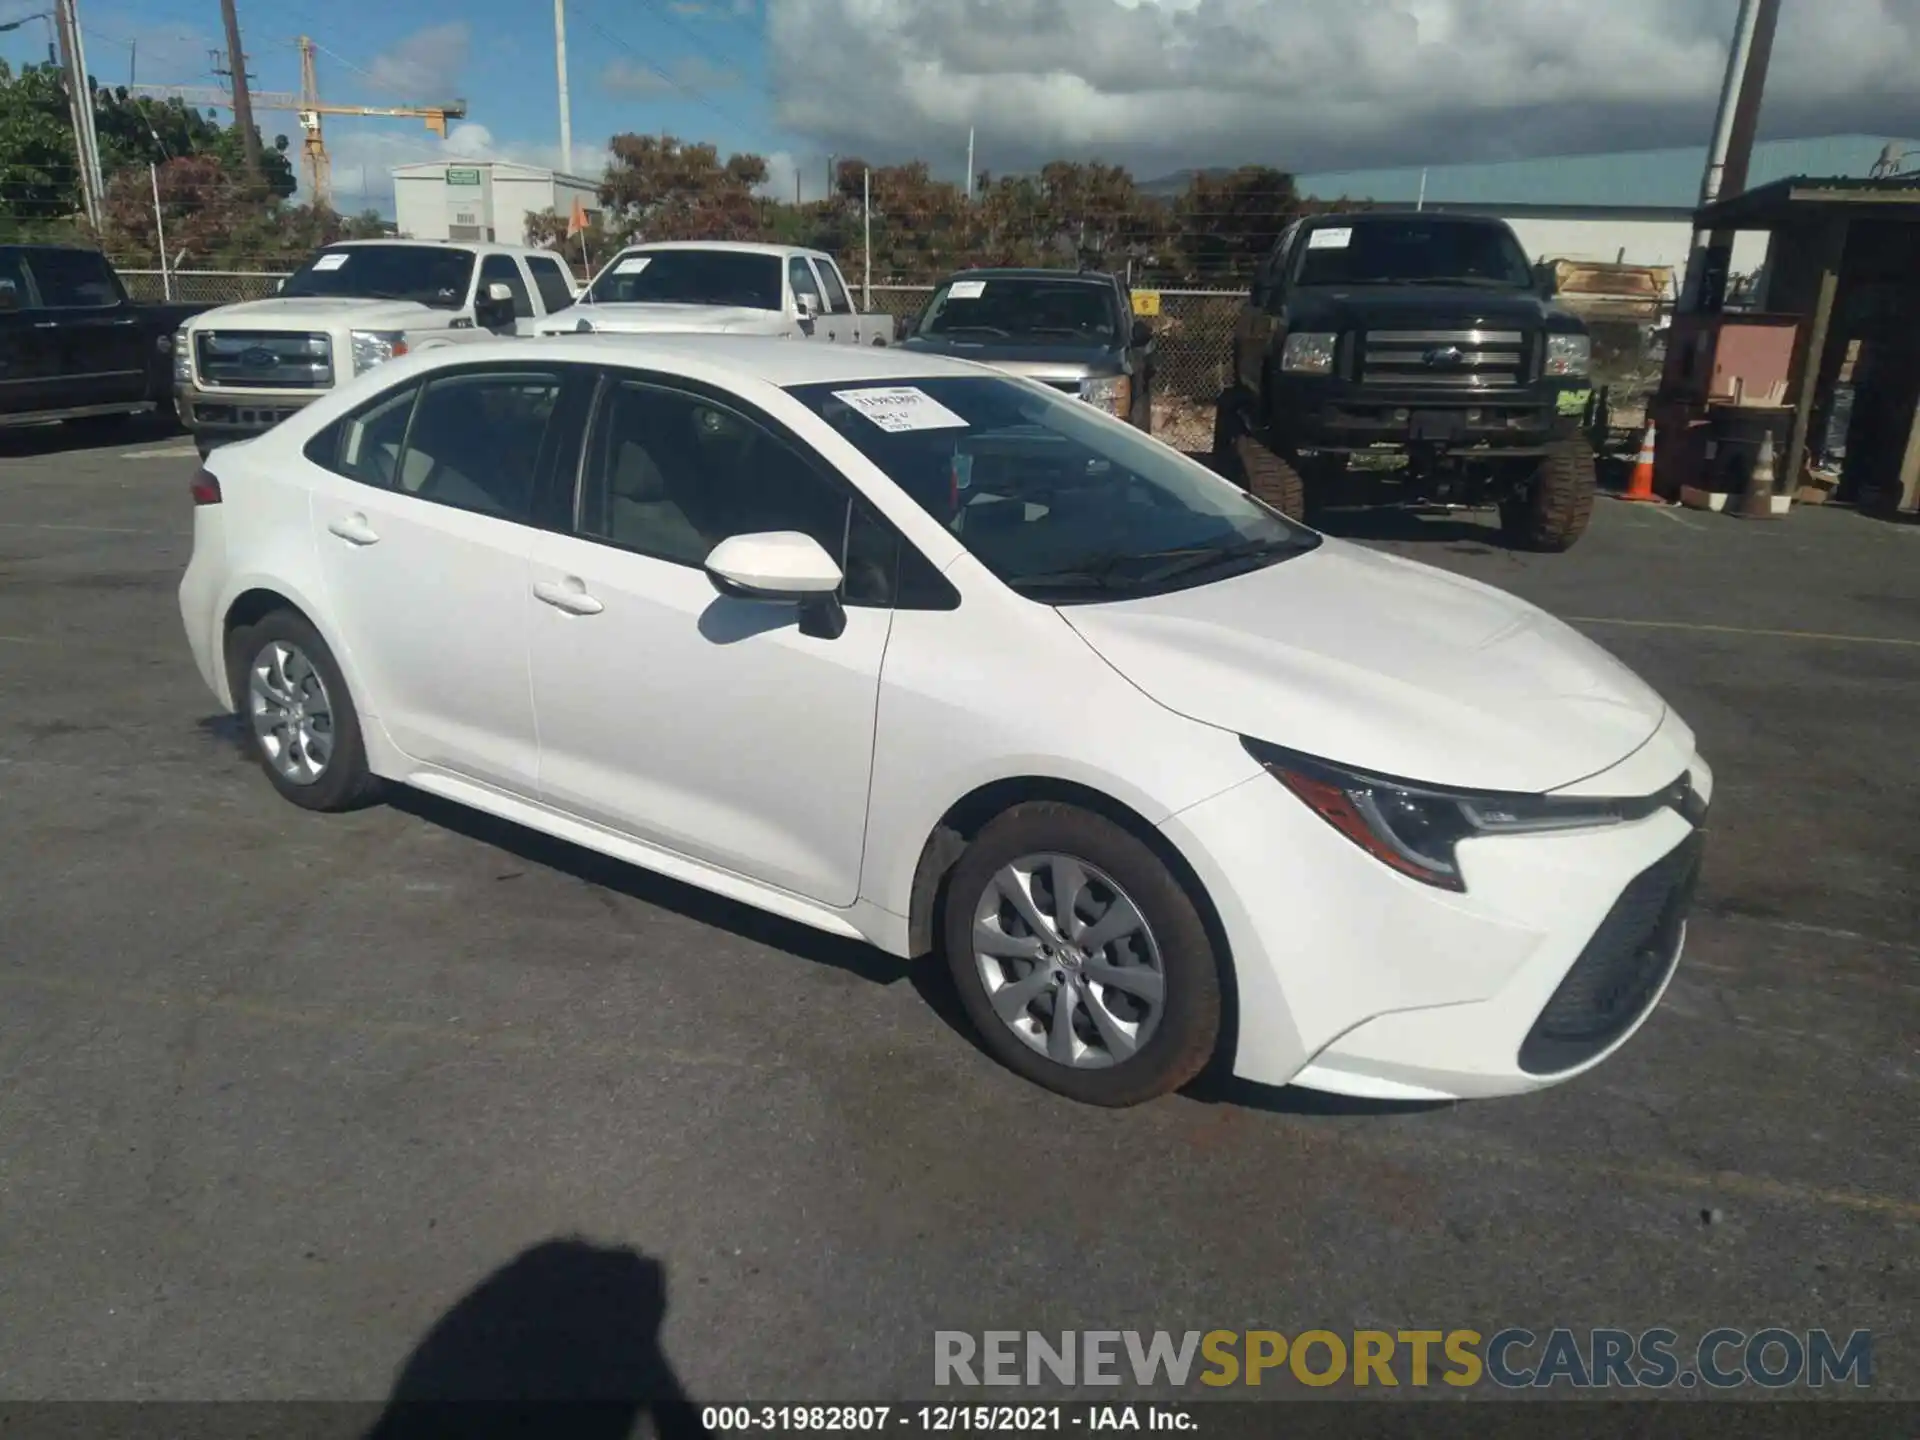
(632, 265)
(1330, 239)
(966, 289)
(331, 262)
(900, 408)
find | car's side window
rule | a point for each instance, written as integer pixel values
(13, 281)
(555, 293)
(475, 440)
(838, 301)
(502, 268)
(800, 275)
(366, 445)
(670, 474)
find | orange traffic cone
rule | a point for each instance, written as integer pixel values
(1640, 487)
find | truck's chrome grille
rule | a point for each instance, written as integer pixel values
(264, 359)
(1456, 359)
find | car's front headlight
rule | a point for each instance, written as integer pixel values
(1308, 353)
(182, 357)
(376, 347)
(1570, 356)
(1111, 393)
(1415, 828)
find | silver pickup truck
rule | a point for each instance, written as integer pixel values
(721, 288)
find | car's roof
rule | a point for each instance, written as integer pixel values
(482, 247)
(1032, 272)
(1406, 212)
(737, 247)
(746, 358)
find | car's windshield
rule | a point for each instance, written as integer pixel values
(1413, 250)
(1022, 307)
(690, 277)
(1058, 503)
(426, 274)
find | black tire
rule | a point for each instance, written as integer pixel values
(1553, 509)
(1269, 477)
(344, 782)
(1188, 1029)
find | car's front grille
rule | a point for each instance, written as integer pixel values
(1460, 359)
(1622, 967)
(264, 359)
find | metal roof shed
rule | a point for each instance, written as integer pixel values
(1845, 255)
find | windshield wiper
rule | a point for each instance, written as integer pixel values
(1073, 330)
(1104, 572)
(1217, 555)
(970, 330)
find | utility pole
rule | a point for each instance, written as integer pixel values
(242, 100)
(86, 141)
(833, 175)
(970, 163)
(560, 66)
(1731, 154)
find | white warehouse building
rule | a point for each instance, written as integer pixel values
(482, 199)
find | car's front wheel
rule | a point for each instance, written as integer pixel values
(1081, 960)
(300, 720)
(1551, 510)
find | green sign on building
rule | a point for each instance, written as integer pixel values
(462, 175)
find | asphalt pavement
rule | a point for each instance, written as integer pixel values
(278, 1090)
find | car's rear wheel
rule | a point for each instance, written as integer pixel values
(300, 719)
(1551, 509)
(1082, 962)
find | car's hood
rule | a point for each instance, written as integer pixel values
(1422, 307)
(1023, 358)
(281, 311)
(1382, 664)
(663, 319)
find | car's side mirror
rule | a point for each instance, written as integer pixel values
(809, 305)
(494, 306)
(1142, 334)
(9, 296)
(279, 284)
(785, 566)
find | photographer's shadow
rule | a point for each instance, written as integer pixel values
(564, 1339)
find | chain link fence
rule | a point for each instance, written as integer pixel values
(1195, 330)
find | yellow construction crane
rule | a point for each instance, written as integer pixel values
(309, 107)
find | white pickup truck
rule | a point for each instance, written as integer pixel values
(722, 287)
(242, 369)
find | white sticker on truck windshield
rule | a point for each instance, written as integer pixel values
(331, 262)
(900, 408)
(632, 265)
(1330, 239)
(966, 289)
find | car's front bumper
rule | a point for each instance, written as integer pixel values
(1332, 415)
(218, 415)
(1351, 978)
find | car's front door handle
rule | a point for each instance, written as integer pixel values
(570, 596)
(355, 530)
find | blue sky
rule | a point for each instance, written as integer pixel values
(1158, 85)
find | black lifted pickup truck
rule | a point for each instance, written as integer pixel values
(72, 345)
(1387, 358)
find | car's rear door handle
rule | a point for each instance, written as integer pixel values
(569, 595)
(355, 530)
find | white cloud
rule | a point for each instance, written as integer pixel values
(426, 66)
(689, 75)
(1311, 85)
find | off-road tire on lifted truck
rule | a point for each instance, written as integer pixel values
(1252, 466)
(1553, 511)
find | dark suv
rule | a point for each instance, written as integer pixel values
(1410, 358)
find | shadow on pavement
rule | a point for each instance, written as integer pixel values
(564, 1339)
(107, 432)
(853, 956)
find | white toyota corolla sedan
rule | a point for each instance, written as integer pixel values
(918, 652)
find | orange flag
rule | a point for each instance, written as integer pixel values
(577, 221)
